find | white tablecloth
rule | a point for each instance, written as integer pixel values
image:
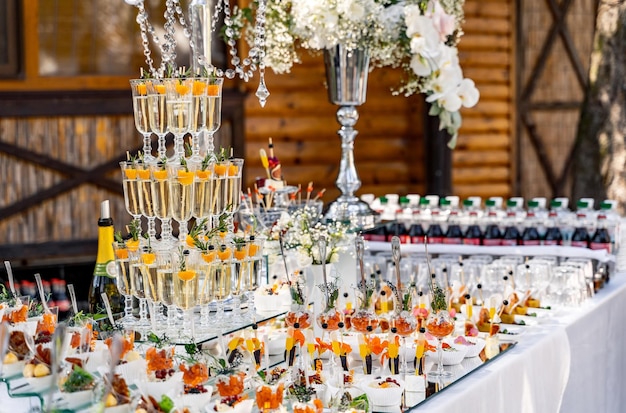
(577, 363)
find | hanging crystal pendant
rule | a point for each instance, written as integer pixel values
(261, 92)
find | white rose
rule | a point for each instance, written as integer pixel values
(468, 93)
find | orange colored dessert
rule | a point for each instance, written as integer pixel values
(159, 359)
(266, 398)
(195, 375)
(47, 324)
(362, 320)
(229, 385)
(440, 330)
(329, 320)
(405, 327)
(303, 318)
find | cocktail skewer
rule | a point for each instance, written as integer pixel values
(7, 265)
(42, 293)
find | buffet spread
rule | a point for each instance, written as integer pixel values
(219, 298)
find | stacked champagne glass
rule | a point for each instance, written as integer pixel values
(207, 265)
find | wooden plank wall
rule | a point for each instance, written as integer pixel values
(483, 162)
(84, 142)
(389, 148)
(302, 123)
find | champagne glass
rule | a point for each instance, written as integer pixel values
(181, 178)
(186, 285)
(231, 194)
(203, 183)
(178, 108)
(199, 106)
(206, 295)
(240, 254)
(165, 285)
(130, 184)
(148, 270)
(160, 189)
(123, 283)
(404, 322)
(138, 288)
(213, 111)
(146, 199)
(440, 325)
(157, 113)
(141, 114)
(253, 264)
(222, 281)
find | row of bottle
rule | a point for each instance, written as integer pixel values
(444, 222)
(55, 289)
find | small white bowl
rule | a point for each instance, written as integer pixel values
(388, 396)
(13, 369)
(133, 372)
(194, 402)
(474, 347)
(38, 384)
(171, 387)
(276, 345)
(450, 357)
(75, 400)
(245, 406)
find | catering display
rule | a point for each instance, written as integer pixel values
(253, 300)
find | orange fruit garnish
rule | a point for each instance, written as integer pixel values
(148, 258)
(160, 89)
(142, 89)
(132, 245)
(252, 250)
(268, 399)
(182, 89)
(203, 175)
(160, 175)
(240, 253)
(190, 241)
(220, 169)
(198, 87)
(213, 90)
(143, 173)
(209, 256)
(186, 275)
(121, 253)
(131, 173)
(185, 177)
(128, 343)
(233, 170)
(224, 254)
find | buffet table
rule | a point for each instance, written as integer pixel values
(575, 363)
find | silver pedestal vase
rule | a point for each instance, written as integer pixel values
(346, 76)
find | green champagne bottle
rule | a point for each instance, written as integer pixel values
(105, 271)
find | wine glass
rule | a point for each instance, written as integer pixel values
(181, 177)
(148, 270)
(157, 113)
(199, 108)
(186, 285)
(213, 111)
(123, 282)
(130, 184)
(440, 325)
(141, 114)
(178, 108)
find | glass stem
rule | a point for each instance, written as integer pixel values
(152, 230)
(171, 316)
(147, 149)
(128, 306)
(182, 231)
(143, 310)
(166, 229)
(210, 147)
(161, 147)
(179, 146)
(195, 144)
(440, 357)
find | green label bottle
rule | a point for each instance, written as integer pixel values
(105, 271)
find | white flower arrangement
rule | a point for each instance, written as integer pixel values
(301, 234)
(419, 36)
